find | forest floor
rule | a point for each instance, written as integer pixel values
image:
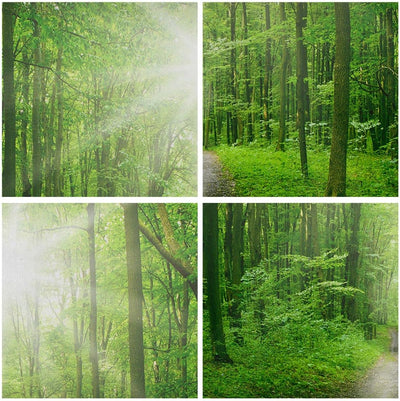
(216, 181)
(382, 380)
(346, 366)
(262, 171)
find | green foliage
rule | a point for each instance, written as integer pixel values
(46, 270)
(298, 336)
(127, 96)
(261, 171)
(296, 357)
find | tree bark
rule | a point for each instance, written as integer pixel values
(246, 75)
(59, 138)
(211, 272)
(301, 72)
(352, 258)
(337, 163)
(233, 78)
(283, 77)
(135, 296)
(93, 304)
(36, 105)
(254, 230)
(178, 265)
(10, 131)
(268, 77)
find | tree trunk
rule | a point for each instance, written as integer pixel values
(337, 163)
(26, 185)
(254, 230)
(211, 273)
(36, 106)
(391, 84)
(93, 304)
(10, 131)
(237, 247)
(267, 78)
(59, 138)
(283, 78)
(135, 296)
(246, 76)
(233, 78)
(301, 72)
(352, 258)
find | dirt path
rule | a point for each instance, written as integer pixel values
(382, 380)
(216, 182)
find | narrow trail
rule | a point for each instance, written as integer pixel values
(382, 380)
(216, 182)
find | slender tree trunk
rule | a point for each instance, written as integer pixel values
(10, 131)
(26, 185)
(237, 251)
(337, 163)
(135, 296)
(352, 258)
(254, 230)
(391, 84)
(301, 69)
(268, 77)
(283, 78)
(233, 78)
(93, 304)
(211, 272)
(36, 106)
(59, 138)
(246, 75)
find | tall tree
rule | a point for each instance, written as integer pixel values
(94, 358)
(249, 123)
(352, 259)
(283, 82)
(267, 77)
(336, 185)
(135, 296)
(10, 131)
(211, 272)
(233, 72)
(301, 72)
(36, 106)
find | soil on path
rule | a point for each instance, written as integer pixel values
(216, 182)
(382, 380)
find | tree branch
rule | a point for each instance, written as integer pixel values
(178, 265)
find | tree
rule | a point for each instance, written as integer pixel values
(135, 296)
(301, 72)
(282, 86)
(36, 106)
(233, 76)
(336, 185)
(10, 131)
(93, 303)
(353, 258)
(211, 272)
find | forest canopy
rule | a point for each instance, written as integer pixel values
(276, 101)
(100, 99)
(98, 300)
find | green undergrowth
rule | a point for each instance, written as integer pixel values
(319, 360)
(262, 171)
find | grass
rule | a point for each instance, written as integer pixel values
(261, 171)
(279, 369)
